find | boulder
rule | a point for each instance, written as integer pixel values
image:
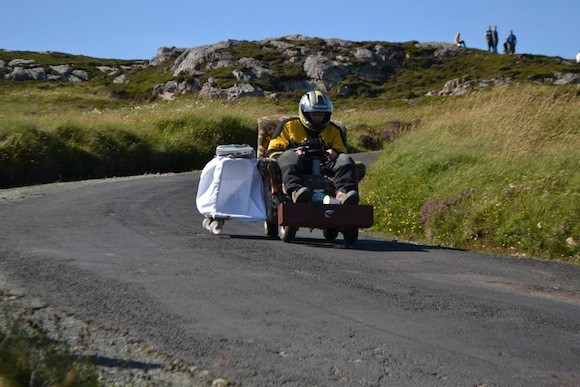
(164, 54)
(63, 78)
(169, 89)
(457, 87)
(372, 71)
(278, 44)
(243, 90)
(242, 75)
(18, 74)
(292, 53)
(194, 59)
(462, 86)
(121, 79)
(298, 37)
(81, 74)
(62, 69)
(22, 74)
(37, 73)
(107, 69)
(252, 69)
(22, 63)
(562, 79)
(237, 91)
(364, 54)
(324, 72)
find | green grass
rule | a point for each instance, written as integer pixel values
(32, 151)
(140, 85)
(496, 171)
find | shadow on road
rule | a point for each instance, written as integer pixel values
(361, 244)
(117, 363)
(365, 245)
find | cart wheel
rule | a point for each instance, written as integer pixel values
(330, 233)
(216, 226)
(350, 235)
(205, 223)
(287, 233)
(271, 229)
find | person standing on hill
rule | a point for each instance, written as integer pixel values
(511, 41)
(495, 39)
(458, 41)
(489, 39)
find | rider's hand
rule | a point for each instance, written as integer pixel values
(299, 152)
(331, 154)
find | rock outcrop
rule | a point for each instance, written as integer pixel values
(60, 73)
(311, 62)
(233, 69)
(20, 70)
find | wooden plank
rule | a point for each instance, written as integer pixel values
(325, 215)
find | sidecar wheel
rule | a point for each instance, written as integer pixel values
(216, 226)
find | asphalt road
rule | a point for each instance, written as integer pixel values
(131, 255)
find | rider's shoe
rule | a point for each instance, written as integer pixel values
(301, 195)
(350, 197)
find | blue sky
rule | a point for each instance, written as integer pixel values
(135, 29)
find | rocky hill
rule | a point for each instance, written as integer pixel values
(232, 69)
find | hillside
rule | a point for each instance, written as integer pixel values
(288, 65)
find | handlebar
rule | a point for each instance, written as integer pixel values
(313, 153)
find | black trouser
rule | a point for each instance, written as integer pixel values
(293, 167)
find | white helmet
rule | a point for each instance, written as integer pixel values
(315, 101)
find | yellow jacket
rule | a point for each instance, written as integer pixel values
(294, 133)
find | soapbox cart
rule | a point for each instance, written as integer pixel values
(283, 217)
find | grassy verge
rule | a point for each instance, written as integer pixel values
(496, 171)
(55, 138)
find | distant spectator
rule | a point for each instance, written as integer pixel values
(495, 39)
(511, 41)
(489, 39)
(458, 41)
(506, 48)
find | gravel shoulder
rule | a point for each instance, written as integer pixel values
(119, 359)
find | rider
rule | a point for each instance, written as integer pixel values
(313, 128)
